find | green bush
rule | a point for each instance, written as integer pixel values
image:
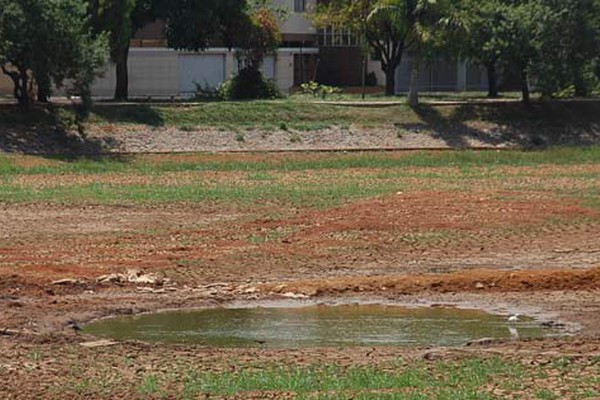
(248, 84)
(371, 79)
(317, 90)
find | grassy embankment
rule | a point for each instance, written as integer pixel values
(302, 115)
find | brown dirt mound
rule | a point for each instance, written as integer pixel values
(476, 280)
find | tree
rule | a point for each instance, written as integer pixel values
(121, 19)
(198, 24)
(568, 45)
(45, 42)
(481, 17)
(114, 17)
(385, 35)
(433, 20)
(255, 36)
(516, 37)
(390, 27)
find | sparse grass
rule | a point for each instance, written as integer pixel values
(304, 195)
(313, 180)
(148, 164)
(467, 379)
(295, 138)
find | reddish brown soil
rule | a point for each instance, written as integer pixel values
(506, 250)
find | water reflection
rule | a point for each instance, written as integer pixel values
(514, 333)
(364, 325)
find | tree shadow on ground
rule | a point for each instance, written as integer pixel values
(48, 131)
(143, 114)
(530, 126)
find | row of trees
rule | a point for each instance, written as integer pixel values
(555, 41)
(68, 42)
(46, 43)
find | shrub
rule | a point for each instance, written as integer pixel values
(205, 91)
(317, 90)
(249, 83)
(371, 79)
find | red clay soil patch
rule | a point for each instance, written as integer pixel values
(363, 238)
(472, 281)
(437, 210)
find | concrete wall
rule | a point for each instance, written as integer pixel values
(156, 72)
(375, 66)
(152, 72)
(284, 69)
(441, 75)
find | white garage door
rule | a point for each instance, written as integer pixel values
(268, 67)
(205, 69)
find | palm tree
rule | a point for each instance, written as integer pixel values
(415, 20)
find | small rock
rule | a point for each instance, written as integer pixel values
(479, 285)
(136, 276)
(98, 343)
(145, 289)
(279, 288)
(111, 278)
(481, 342)
(431, 356)
(291, 295)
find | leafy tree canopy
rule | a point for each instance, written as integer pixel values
(48, 41)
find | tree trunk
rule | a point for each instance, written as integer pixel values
(43, 89)
(492, 80)
(122, 86)
(413, 93)
(525, 86)
(581, 87)
(363, 83)
(20, 80)
(390, 81)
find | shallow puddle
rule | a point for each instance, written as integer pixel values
(318, 326)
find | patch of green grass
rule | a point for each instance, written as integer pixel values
(260, 176)
(149, 385)
(301, 195)
(188, 128)
(337, 179)
(302, 162)
(442, 380)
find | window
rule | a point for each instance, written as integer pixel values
(331, 37)
(299, 6)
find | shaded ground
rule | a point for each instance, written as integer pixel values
(524, 241)
(294, 124)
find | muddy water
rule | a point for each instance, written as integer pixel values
(317, 326)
